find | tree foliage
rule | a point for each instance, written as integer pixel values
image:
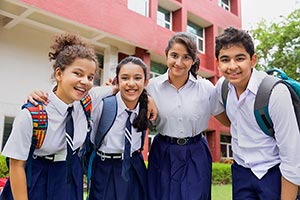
(278, 44)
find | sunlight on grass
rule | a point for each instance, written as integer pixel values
(221, 192)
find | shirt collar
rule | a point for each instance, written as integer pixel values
(254, 81)
(122, 107)
(57, 103)
(165, 78)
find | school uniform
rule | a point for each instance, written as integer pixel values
(48, 180)
(106, 180)
(180, 163)
(260, 160)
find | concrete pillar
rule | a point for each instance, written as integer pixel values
(110, 63)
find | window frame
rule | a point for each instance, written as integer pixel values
(131, 5)
(164, 21)
(223, 4)
(191, 25)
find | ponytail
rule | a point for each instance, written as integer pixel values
(141, 122)
(195, 67)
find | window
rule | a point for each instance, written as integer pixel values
(225, 4)
(164, 18)
(139, 6)
(98, 77)
(8, 122)
(157, 69)
(199, 33)
(226, 149)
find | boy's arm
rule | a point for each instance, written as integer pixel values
(18, 179)
(288, 190)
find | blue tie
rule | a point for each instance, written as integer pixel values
(127, 150)
(69, 138)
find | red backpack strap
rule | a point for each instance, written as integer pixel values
(86, 103)
(40, 122)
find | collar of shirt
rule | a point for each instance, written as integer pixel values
(58, 104)
(165, 78)
(254, 82)
(122, 107)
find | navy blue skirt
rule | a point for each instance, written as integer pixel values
(107, 182)
(179, 172)
(49, 181)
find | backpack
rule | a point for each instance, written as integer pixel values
(40, 123)
(108, 116)
(261, 110)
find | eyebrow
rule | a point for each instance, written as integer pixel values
(238, 55)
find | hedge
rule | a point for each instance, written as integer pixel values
(221, 173)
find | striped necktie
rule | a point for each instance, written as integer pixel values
(127, 149)
(69, 138)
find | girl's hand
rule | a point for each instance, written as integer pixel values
(37, 95)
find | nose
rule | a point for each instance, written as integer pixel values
(131, 82)
(179, 61)
(232, 64)
(84, 80)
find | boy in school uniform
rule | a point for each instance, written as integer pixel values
(264, 167)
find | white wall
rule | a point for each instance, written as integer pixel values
(24, 67)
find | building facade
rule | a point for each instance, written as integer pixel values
(117, 29)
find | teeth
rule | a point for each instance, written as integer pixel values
(81, 89)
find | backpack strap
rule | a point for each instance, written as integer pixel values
(261, 110)
(107, 119)
(108, 116)
(224, 92)
(86, 104)
(86, 149)
(40, 123)
(261, 103)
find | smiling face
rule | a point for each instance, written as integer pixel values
(131, 82)
(236, 65)
(179, 61)
(75, 80)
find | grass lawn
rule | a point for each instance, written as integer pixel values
(221, 192)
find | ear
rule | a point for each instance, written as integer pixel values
(58, 74)
(217, 63)
(253, 60)
(146, 83)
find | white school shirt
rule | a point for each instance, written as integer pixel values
(18, 143)
(184, 112)
(114, 141)
(251, 147)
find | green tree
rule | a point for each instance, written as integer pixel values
(278, 44)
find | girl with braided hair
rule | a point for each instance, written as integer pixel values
(111, 179)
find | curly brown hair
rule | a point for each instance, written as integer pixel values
(67, 47)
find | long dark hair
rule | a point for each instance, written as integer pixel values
(141, 122)
(189, 41)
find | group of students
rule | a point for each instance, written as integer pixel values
(180, 163)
